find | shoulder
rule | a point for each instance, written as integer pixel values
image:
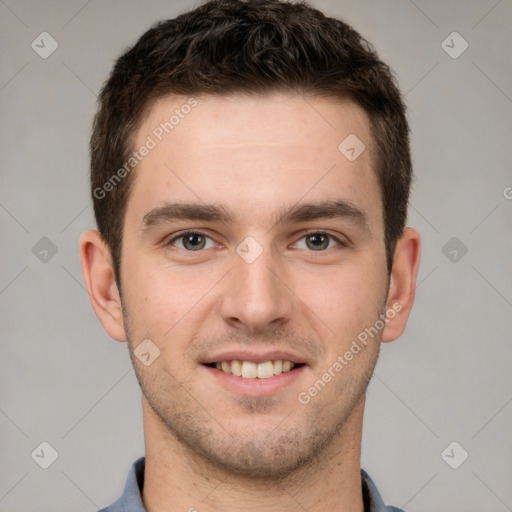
(373, 501)
(131, 500)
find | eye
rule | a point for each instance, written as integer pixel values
(318, 241)
(192, 241)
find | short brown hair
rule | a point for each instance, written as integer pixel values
(251, 46)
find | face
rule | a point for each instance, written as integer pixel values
(253, 257)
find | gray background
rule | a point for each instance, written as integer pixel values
(63, 381)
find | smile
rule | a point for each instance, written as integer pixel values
(252, 370)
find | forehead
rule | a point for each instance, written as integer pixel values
(242, 118)
(254, 152)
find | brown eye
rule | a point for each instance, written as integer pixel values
(317, 241)
(192, 241)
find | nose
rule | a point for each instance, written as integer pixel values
(255, 295)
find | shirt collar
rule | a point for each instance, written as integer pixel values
(372, 499)
(131, 501)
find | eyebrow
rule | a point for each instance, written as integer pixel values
(339, 209)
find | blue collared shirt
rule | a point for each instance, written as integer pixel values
(130, 500)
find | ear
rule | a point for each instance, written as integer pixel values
(402, 285)
(101, 285)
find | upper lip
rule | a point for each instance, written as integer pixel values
(255, 356)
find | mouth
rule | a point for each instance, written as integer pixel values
(256, 373)
(255, 370)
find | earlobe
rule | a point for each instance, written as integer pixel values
(402, 284)
(100, 282)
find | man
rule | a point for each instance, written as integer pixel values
(250, 175)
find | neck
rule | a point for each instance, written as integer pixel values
(176, 479)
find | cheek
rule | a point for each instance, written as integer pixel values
(160, 295)
(164, 306)
(345, 298)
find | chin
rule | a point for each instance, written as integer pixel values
(263, 459)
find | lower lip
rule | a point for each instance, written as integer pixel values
(256, 387)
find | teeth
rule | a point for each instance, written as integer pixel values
(287, 366)
(250, 370)
(265, 370)
(236, 368)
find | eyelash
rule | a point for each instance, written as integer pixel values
(304, 235)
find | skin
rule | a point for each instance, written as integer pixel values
(209, 448)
